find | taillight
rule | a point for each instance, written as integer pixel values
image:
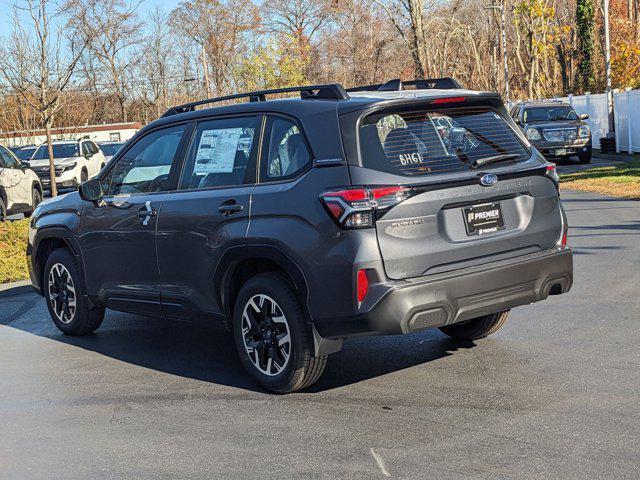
(358, 207)
(552, 173)
(362, 286)
(562, 241)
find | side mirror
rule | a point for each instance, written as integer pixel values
(584, 116)
(25, 165)
(91, 191)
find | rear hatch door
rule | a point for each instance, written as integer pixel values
(459, 208)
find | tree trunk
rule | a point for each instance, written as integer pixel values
(52, 168)
(419, 46)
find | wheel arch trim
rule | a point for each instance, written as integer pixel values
(234, 256)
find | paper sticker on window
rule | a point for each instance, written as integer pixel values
(217, 150)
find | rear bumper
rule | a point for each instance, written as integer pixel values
(458, 296)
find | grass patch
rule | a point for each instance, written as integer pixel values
(617, 180)
(13, 245)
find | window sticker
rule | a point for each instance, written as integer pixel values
(217, 150)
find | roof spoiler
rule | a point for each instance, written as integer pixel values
(445, 83)
(330, 91)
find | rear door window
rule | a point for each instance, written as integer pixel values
(287, 155)
(423, 142)
(222, 154)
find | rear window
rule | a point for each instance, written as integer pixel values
(421, 142)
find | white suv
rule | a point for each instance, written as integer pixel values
(75, 161)
(20, 188)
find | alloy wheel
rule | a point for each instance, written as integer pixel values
(266, 336)
(62, 293)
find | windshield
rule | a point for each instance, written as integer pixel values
(60, 150)
(421, 142)
(25, 153)
(545, 114)
(110, 149)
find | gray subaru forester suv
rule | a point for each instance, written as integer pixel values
(300, 222)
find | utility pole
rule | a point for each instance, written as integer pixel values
(503, 35)
(607, 66)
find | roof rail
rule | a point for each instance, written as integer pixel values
(330, 91)
(444, 83)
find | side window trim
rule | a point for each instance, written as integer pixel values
(178, 159)
(265, 146)
(253, 160)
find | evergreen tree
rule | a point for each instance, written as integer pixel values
(585, 28)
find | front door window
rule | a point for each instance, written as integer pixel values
(146, 166)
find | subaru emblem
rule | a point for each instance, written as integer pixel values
(489, 179)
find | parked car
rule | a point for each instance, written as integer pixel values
(555, 129)
(75, 162)
(109, 149)
(300, 222)
(20, 188)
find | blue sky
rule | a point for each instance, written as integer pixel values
(6, 11)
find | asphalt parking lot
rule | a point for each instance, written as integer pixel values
(554, 394)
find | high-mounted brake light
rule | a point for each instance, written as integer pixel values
(358, 207)
(440, 101)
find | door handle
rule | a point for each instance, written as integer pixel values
(230, 207)
(146, 213)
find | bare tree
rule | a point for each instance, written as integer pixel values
(219, 28)
(113, 32)
(158, 61)
(38, 62)
(300, 19)
(408, 19)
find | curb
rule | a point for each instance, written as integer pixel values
(15, 288)
(621, 157)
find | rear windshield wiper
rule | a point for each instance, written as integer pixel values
(494, 159)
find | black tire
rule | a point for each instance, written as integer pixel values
(81, 320)
(584, 158)
(3, 211)
(37, 198)
(84, 176)
(299, 369)
(476, 328)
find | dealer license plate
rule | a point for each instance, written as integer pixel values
(484, 218)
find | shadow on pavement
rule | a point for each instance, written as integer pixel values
(207, 353)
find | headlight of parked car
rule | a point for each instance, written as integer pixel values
(583, 131)
(63, 168)
(532, 133)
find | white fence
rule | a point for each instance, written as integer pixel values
(626, 117)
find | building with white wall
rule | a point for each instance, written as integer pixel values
(110, 132)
